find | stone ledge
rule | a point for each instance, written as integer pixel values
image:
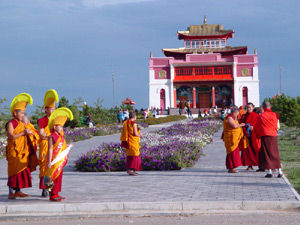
(145, 208)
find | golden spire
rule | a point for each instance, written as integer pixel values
(205, 20)
(151, 55)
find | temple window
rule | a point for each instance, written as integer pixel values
(205, 43)
(188, 44)
(195, 44)
(223, 43)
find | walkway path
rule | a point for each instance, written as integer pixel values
(207, 181)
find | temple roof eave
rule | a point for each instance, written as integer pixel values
(184, 51)
(182, 35)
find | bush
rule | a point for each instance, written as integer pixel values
(288, 108)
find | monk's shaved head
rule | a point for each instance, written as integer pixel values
(266, 105)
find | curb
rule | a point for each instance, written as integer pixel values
(142, 208)
(291, 187)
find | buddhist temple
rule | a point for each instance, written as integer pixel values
(205, 72)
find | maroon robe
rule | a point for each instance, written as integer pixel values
(233, 160)
(249, 155)
(266, 128)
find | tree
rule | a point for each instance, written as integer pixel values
(288, 108)
(63, 102)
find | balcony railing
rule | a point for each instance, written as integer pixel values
(203, 73)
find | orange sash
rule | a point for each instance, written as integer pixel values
(133, 141)
(55, 170)
(32, 140)
(43, 150)
(17, 152)
(232, 136)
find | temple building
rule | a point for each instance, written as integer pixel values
(205, 72)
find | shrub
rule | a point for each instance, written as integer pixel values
(288, 108)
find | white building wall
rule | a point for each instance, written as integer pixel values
(155, 85)
(252, 83)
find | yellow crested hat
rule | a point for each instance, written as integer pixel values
(50, 98)
(59, 117)
(20, 102)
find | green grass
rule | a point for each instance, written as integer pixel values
(289, 149)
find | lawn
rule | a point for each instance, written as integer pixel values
(289, 148)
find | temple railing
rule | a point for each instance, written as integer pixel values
(204, 73)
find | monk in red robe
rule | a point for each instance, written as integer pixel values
(249, 155)
(232, 135)
(17, 150)
(266, 129)
(49, 105)
(58, 152)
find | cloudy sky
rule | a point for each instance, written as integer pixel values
(74, 45)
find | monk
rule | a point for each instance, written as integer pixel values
(58, 153)
(241, 112)
(249, 155)
(266, 128)
(130, 138)
(232, 135)
(32, 141)
(49, 105)
(17, 150)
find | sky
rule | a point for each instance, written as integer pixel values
(74, 46)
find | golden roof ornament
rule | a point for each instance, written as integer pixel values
(255, 51)
(151, 55)
(205, 20)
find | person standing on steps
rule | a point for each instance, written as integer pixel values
(232, 135)
(130, 138)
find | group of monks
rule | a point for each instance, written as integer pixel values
(251, 139)
(24, 141)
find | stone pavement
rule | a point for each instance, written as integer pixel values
(205, 186)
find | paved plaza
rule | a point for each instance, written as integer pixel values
(207, 183)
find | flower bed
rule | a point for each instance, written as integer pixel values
(153, 121)
(80, 134)
(172, 148)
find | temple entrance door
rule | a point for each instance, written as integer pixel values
(162, 99)
(204, 100)
(245, 96)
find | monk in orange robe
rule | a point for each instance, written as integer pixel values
(266, 129)
(130, 138)
(49, 105)
(232, 135)
(249, 155)
(58, 152)
(241, 112)
(32, 141)
(17, 150)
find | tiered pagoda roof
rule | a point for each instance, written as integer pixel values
(205, 31)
